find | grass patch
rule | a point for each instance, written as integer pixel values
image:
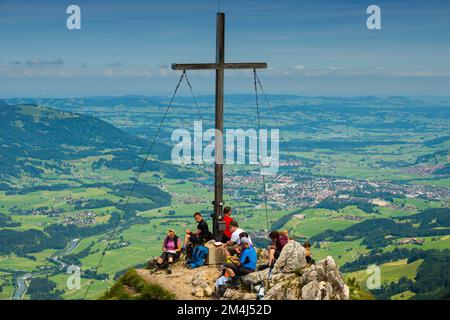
(407, 295)
(390, 272)
(132, 287)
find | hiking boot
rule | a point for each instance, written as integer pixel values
(169, 270)
(151, 264)
(233, 284)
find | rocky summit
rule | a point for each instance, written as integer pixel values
(292, 278)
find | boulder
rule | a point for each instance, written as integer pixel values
(281, 277)
(198, 292)
(293, 279)
(327, 272)
(291, 259)
(255, 278)
(233, 294)
(208, 291)
(287, 288)
(201, 286)
(317, 291)
(277, 292)
(321, 281)
(199, 280)
(249, 296)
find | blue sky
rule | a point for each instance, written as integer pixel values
(312, 47)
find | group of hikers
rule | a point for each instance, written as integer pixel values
(240, 254)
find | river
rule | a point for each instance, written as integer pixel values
(22, 286)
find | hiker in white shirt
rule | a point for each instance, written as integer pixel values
(232, 247)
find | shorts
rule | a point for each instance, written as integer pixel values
(166, 255)
(195, 240)
(238, 270)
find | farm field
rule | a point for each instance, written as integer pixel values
(390, 272)
(359, 175)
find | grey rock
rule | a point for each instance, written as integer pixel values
(199, 292)
(255, 278)
(292, 258)
(208, 291)
(292, 279)
(199, 280)
(325, 271)
(233, 294)
(317, 291)
(288, 289)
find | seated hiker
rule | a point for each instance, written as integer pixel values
(220, 286)
(227, 218)
(244, 235)
(171, 250)
(245, 264)
(285, 233)
(201, 235)
(232, 246)
(307, 247)
(278, 240)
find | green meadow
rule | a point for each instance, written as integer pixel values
(390, 272)
(379, 139)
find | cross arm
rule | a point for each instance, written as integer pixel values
(215, 66)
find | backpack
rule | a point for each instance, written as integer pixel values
(198, 257)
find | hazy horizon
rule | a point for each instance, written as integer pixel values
(313, 48)
(384, 96)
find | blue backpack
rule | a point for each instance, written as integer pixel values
(198, 256)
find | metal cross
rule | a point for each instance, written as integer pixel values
(220, 67)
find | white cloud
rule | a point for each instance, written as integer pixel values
(41, 62)
(334, 68)
(422, 73)
(299, 67)
(56, 68)
(108, 72)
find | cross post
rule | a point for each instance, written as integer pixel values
(219, 66)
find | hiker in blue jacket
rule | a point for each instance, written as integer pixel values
(246, 263)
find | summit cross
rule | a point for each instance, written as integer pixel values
(219, 67)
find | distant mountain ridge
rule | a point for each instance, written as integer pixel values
(37, 132)
(161, 101)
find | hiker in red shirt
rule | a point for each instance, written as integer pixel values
(227, 218)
